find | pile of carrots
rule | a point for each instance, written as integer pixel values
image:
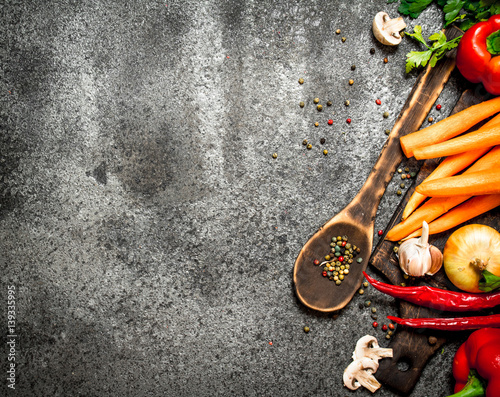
(467, 181)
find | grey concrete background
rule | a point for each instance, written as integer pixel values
(148, 231)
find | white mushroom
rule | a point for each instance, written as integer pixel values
(360, 373)
(386, 30)
(368, 346)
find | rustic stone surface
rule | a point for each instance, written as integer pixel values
(147, 229)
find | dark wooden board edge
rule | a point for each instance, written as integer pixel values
(411, 348)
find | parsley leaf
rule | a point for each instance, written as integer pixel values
(452, 9)
(437, 50)
(413, 8)
(392, 1)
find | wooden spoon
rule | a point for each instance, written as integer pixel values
(357, 219)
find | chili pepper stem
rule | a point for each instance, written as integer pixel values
(473, 388)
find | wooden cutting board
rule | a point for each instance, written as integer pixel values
(411, 348)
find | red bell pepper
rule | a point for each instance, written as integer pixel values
(474, 60)
(480, 354)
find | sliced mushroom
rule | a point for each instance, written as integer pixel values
(360, 373)
(368, 346)
(386, 30)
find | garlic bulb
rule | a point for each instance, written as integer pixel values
(417, 257)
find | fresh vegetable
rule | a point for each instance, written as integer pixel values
(478, 355)
(481, 138)
(436, 298)
(475, 54)
(450, 127)
(471, 258)
(450, 324)
(386, 30)
(475, 183)
(463, 13)
(448, 167)
(436, 51)
(437, 206)
(418, 258)
(470, 209)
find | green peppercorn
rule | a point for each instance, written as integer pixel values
(327, 258)
(399, 192)
(343, 39)
(407, 169)
(316, 100)
(402, 185)
(413, 174)
(361, 291)
(395, 249)
(359, 260)
(302, 104)
(319, 107)
(301, 81)
(403, 176)
(347, 103)
(367, 303)
(306, 329)
(365, 284)
(386, 114)
(275, 155)
(387, 131)
(374, 310)
(338, 282)
(309, 146)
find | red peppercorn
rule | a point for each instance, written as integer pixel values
(341, 259)
(344, 243)
(375, 324)
(316, 262)
(378, 102)
(408, 176)
(391, 326)
(384, 327)
(380, 232)
(330, 122)
(348, 121)
(324, 273)
(438, 107)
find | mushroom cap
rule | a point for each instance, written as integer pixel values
(386, 30)
(368, 346)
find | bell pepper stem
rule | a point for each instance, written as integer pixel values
(474, 387)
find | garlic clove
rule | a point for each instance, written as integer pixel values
(417, 258)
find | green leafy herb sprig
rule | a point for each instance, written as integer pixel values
(462, 13)
(434, 52)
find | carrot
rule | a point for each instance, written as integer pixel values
(449, 127)
(475, 183)
(471, 208)
(437, 206)
(448, 167)
(483, 137)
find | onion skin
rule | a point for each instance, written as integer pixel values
(468, 244)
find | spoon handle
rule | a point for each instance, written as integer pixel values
(425, 92)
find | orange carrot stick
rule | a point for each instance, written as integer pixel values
(475, 184)
(448, 167)
(436, 206)
(449, 127)
(470, 209)
(483, 137)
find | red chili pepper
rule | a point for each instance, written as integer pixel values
(450, 324)
(436, 298)
(474, 60)
(479, 354)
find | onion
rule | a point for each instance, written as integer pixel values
(468, 252)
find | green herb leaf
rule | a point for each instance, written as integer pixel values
(417, 58)
(417, 6)
(493, 43)
(439, 38)
(495, 8)
(489, 282)
(452, 9)
(467, 24)
(442, 3)
(417, 35)
(486, 3)
(392, 1)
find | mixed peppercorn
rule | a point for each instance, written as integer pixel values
(337, 263)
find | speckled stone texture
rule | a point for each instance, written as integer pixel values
(148, 231)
